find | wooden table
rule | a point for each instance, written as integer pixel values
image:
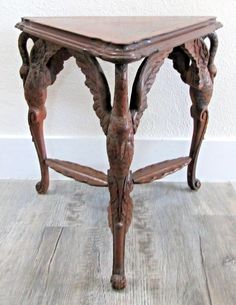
(119, 40)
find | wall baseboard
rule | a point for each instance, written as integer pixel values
(217, 160)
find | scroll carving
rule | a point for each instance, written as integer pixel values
(195, 63)
(97, 83)
(143, 82)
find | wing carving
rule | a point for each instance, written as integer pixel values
(143, 82)
(195, 63)
(98, 86)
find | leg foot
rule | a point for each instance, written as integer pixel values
(118, 281)
(194, 183)
(42, 186)
(120, 213)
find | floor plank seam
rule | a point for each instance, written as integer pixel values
(53, 251)
(52, 256)
(204, 271)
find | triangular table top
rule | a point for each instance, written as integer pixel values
(129, 38)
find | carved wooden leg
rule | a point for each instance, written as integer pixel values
(199, 112)
(195, 63)
(36, 117)
(120, 153)
(37, 73)
(35, 95)
(201, 97)
(117, 125)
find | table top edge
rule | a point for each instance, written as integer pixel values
(113, 49)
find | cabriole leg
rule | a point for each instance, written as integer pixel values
(195, 63)
(201, 97)
(35, 95)
(36, 117)
(199, 113)
(37, 73)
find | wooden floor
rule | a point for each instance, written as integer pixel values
(57, 249)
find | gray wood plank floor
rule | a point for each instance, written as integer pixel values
(57, 249)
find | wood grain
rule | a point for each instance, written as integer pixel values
(120, 150)
(108, 38)
(159, 170)
(78, 172)
(57, 39)
(195, 63)
(56, 249)
(114, 29)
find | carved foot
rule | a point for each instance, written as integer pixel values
(118, 281)
(42, 187)
(194, 183)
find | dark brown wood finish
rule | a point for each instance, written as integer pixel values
(180, 39)
(78, 172)
(159, 170)
(109, 39)
(120, 149)
(196, 65)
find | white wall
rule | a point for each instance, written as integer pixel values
(70, 103)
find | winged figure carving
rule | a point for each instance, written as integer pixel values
(143, 82)
(97, 83)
